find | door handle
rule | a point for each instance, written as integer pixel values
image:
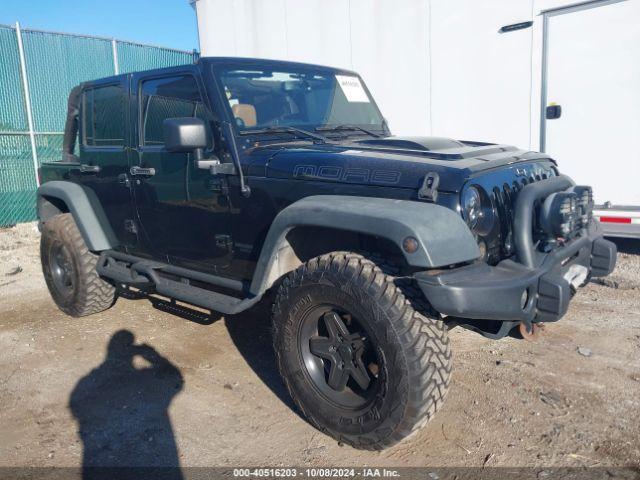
(143, 172)
(89, 168)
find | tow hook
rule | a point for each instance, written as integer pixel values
(532, 335)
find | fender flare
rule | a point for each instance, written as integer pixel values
(84, 206)
(442, 235)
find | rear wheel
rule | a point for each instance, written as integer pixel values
(69, 269)
(359, 360)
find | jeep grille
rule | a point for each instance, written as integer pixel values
(504, 199)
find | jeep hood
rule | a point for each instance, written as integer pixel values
(393, 161)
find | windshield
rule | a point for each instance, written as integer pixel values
(303, 98)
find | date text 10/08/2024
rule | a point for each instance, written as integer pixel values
(315, 472)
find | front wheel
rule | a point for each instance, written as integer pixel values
(359, 360)
(69, 269)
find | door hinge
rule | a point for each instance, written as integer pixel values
(224, 242)
(130, 226)
(123, 179)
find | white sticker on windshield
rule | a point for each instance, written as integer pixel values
(352, 88)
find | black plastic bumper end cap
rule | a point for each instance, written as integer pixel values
(554, 294)
(603, 257)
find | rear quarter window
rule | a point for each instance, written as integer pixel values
(104, 116)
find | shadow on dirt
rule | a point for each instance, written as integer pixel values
(121, 410)
(250, 332)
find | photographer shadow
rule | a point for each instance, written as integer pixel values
(249, 330)
(122, 413)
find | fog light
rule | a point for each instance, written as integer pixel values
(559, 215)
(584, 202)
(410, 245)
(524, 298)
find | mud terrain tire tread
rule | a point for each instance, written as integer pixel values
(92, 294)
(417, 339)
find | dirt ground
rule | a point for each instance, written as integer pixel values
(209, 385)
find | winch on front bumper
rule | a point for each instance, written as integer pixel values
(535, 288)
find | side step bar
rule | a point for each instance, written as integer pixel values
(131, 270)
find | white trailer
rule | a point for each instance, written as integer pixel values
(494, 70)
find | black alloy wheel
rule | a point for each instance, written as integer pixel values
(340, 357)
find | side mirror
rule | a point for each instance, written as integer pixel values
(185, 135)
(189, 135)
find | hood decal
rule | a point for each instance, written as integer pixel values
(347, 175)
(355, 163)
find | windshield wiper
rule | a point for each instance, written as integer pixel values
(293, 130)
(337, 128)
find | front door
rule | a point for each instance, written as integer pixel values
(183, 214)
(104, 141)
(593, 76)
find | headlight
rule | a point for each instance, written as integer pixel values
(477, 210)
(472, 207)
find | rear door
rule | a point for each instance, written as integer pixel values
(182, 213)
(104, 151)
(593, 74)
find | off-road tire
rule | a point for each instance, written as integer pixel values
(413, 343)
(88, 293)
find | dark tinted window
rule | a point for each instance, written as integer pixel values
(167, 97)
(103, 116)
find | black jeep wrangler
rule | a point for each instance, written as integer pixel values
(220, 182)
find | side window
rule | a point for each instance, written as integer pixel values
(103, 116)
(167, 97)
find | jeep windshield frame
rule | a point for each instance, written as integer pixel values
(258, 95)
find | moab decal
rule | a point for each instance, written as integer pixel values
(347, 175)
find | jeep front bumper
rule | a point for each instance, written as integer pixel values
(536, 288)
(512, 292)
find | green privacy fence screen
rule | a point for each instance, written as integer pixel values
(133, 57)
(52, 64)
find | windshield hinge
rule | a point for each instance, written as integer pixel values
(429, 189)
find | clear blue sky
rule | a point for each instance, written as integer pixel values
(166, 23)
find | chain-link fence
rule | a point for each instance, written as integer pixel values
(37, 71)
